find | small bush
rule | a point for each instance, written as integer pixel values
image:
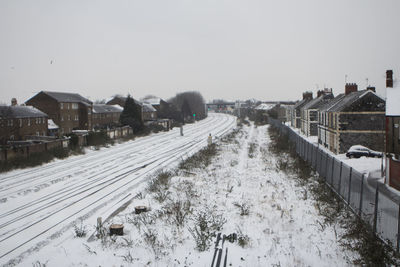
(80, 231)
(178, 211)
(201, 159)
(206, 224)
(243, 207)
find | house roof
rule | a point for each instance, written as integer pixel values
(152, 101)
(327, 105)
(103, 108)
(349, 99)
(14, 112)
(148, 108)
(123, 98)
(301, 103)
(318, 102)
(51, 125)
(68, 97)
(264, 106)
(393, 99)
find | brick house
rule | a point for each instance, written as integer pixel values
(68, 110)
(16, 122)
(106, 115)
(392, 130)
(356, 118)
(161, 106)
(147, 111)
(296, 110)
(309, 112)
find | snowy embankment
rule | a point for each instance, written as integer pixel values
(40, 205)
(242, 190)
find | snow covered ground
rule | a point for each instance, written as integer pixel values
(277, 224)
(40, 205)
(363, 165)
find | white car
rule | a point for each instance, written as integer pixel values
(362, 151)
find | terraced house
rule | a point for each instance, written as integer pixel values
(16, 122)
(68, 110)
(309, 112)
(355, 118)
(106, 115)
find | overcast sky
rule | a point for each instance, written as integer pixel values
(231, 49)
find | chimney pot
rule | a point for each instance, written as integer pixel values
(389, 79)
(14, 101)
(350, 87)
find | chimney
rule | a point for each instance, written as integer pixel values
(319, 93)
(350, 87)
(389, 79)
(372, 88)
(307, 95)
(14, 101)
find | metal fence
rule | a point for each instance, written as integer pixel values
(369, 199)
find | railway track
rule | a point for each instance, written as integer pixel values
(49, 211)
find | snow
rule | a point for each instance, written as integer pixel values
(364, 165)
(40, 204)
(284, 227)
(393, 99)
(265, 106)
(51, 125)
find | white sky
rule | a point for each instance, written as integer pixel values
(231, 49)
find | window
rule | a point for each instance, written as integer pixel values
(61, 105)
(11, 137)
(20, 122)
(89, 111)
(29, 122)
(10, 123)
(67, 105)
(44, 133)
(74, 105)
(62, 118)
(37, 133)
(76, 117)
(69, 117)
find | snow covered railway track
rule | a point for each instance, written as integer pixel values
(37, 219)
(27, 182)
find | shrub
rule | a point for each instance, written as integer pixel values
(206, 224)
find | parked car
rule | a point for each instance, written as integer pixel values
(362, 151)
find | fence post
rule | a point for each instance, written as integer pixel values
(361, 194)
(340, 176)
(376, 206)
(351, 173)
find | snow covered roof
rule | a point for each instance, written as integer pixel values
(102, 108)
(393, 99)
(148, 108)
(264, 106)
(318, 102)
(152, 101)
(349, 99)
(10, 112)
(67, 97)
(51, 125)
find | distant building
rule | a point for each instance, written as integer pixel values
(106, 116)
(296, 111)
(16, 122)
(67, 110)
(355, 118)
(309, 112)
